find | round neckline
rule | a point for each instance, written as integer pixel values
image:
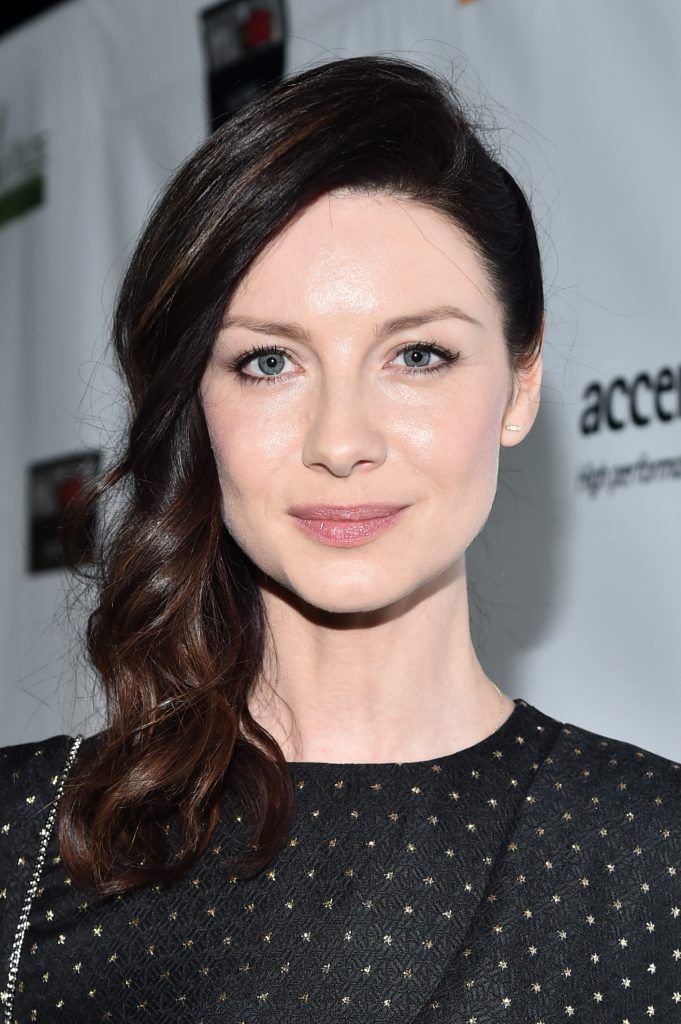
(481, 747)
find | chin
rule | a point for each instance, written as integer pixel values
(369, 594)
(332, 607)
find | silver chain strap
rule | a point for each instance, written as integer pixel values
(7, 997)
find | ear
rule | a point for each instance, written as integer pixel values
(523, 404)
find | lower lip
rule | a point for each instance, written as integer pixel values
(344, 533)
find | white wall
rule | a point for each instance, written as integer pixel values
(579, 593)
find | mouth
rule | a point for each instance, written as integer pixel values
(348, 526)
(343, 513)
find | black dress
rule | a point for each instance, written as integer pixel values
(534, 877)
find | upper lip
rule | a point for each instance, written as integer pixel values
(377, 511)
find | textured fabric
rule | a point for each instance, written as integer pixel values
(534, 877)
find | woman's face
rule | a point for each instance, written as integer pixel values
(348, 412)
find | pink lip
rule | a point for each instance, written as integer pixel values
(344, 512)
(353, 529)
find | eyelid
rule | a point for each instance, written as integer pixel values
(258, 350)
(448, 357)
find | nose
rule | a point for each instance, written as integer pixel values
(344, 429)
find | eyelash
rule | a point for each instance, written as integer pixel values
(414, 371)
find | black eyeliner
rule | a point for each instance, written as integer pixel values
(448, 358)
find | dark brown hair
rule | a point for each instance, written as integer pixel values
(177, 634)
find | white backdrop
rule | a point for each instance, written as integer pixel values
(575, 580)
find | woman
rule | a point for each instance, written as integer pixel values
(310, 803)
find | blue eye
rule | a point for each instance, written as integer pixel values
(419, 350)
(270, 359)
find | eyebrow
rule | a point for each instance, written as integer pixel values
(381, 331)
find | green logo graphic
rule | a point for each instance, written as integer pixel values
(22, 171)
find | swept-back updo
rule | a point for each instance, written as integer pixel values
(177, 634)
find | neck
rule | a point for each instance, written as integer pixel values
(398, 684)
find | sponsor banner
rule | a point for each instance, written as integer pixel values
(244, 47)
(574, 581)
(22, 170)
(52, 485)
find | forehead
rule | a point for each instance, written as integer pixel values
(348, 253)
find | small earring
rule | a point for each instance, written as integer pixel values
(512, 426)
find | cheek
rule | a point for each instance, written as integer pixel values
(249, 451)
(461, 444)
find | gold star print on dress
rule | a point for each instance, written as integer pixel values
(533, 877)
